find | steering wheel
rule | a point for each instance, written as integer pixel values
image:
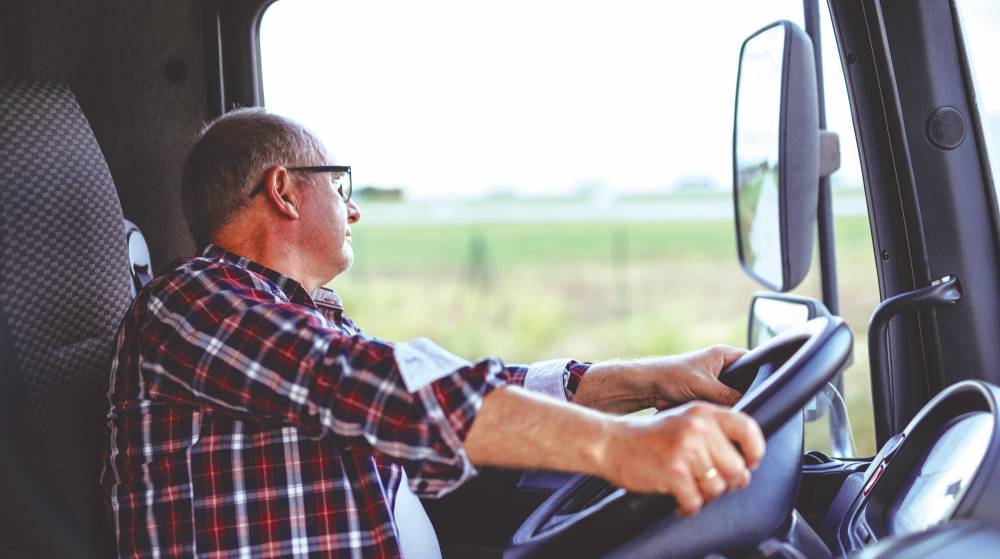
(587, 517)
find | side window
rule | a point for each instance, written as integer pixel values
(979, 20)
(856, 275)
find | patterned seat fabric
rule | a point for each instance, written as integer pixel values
(64, 286)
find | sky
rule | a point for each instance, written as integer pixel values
(455, 98)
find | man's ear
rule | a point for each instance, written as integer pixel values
(281, 193)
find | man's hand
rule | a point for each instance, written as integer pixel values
(692, 376)
(660, 382)
(695, 454)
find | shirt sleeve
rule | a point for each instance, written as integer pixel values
(249, 355)
(557, 378)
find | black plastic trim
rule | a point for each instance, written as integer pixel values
(824, 203)
(957, 203)
(889, 418)
(902, 452)
(897, 229)
(232, 29)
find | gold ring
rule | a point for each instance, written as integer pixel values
(712, 472)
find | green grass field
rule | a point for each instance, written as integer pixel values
(529, 291)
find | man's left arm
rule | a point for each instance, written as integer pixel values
(632, 385)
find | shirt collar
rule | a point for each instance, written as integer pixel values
(291, 288)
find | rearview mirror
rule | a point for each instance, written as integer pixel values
(776, 155)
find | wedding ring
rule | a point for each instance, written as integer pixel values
(712, 472)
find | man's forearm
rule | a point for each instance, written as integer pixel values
(693, 453)
(515, 428)
(615, 387)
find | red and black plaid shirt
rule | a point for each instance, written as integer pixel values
(247, 419)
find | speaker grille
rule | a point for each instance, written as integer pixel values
(946, 128)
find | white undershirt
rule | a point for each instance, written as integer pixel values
(417, 538)
(416, 533)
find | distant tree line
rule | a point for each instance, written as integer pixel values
(379, 194)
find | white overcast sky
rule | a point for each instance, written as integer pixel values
(461, 97)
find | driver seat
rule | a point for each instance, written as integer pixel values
(64, 286)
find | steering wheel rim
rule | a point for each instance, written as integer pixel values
(812, 354)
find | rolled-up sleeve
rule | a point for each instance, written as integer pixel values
(557, 378)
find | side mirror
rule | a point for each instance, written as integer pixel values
(777, 155)
(773, 313)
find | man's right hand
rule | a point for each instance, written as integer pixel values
(696, 453)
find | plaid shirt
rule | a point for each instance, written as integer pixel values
(250, 419)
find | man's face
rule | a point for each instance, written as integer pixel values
(326, 222)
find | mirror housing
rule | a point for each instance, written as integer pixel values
(777, 155)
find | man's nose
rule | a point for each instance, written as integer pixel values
(353, 212)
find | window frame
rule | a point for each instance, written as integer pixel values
(918, 213)
(232, 45)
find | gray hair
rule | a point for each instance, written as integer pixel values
(227, 160)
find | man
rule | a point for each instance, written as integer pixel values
(249, 417)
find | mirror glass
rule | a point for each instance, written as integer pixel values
(770, 317)
(758, 119)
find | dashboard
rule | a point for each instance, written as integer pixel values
(940, 478)
(944, 466)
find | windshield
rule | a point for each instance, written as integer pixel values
(540, 180)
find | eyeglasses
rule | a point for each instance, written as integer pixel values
(344, 182)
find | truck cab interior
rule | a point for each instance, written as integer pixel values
(99, 102)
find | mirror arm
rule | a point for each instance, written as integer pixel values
(829, 161)
(829, 153)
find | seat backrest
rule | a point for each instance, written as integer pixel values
(64, 286)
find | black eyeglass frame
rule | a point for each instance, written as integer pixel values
(319, 169)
